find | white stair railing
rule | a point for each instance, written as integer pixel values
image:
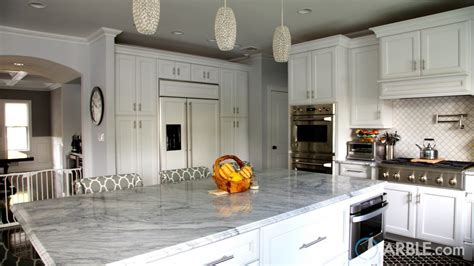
(34, 186)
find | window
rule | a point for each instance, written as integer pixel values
(17, 126)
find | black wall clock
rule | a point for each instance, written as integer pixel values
(97, 106)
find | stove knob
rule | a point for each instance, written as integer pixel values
(439, 180)
(386, 175)
(452, 181)
(411, 177)
(396, 176)
(423, 179)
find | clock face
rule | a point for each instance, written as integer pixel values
(97, 106)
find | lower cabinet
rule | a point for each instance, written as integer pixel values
(313, 238)
(431, 214)
(234, 137)
(238, 250)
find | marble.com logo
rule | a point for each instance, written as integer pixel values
(371, 252)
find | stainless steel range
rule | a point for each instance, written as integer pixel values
(445, 174)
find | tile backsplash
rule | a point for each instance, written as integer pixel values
(414, 119)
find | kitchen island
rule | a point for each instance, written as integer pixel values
(151, 223)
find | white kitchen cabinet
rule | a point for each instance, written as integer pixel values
(430, 214)
(323, 74)
(234, 93)
(444, 49)
(312, 238)
(242, 249)
(205, 74)
(137, 147)
(401, 213)
(355, 170)
(234, 137)
(439, 216)
(367, 109)
(400, 55)
(136, 85)
(168, 69)
(299, 78)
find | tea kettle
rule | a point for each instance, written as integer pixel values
(428, 151)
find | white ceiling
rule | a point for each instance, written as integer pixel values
(256, 19)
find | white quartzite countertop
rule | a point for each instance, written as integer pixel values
(107, 227)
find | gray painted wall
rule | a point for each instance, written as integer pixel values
(40, 108)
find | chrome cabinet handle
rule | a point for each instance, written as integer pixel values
(204, 74)
(410, 197)
(237, 110)
(414, 65)
(134, 106)
(221, 260)
(237, 123)
(174, 71)
(140, 107)
(418, 198)
(179, 71)
(307, 245)
(134, 124)
(208, 75)
(233, 110)
(140, 124)
(423, 64)
(233, 123)
(312, 94)
(354, 171)
(307, 94)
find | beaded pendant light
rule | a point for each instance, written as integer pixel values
(281, 41)
(225, 28)
(146, 15)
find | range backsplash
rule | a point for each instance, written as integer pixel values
(414, 119)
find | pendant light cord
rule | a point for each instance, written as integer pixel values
(282, 12)
(225, 4)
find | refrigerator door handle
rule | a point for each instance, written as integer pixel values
(190, 137)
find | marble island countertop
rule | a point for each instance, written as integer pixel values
(108, 227)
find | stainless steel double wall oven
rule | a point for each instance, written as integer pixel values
(312, 137)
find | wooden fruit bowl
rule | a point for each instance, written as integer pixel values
(229, 185)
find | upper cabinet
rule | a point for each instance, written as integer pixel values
(234, 88)
(428, 56)
(205, 74)
(174, 70)
(317, 74)
(136, 84)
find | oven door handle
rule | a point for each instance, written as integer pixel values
(365, 217)
(327, 165)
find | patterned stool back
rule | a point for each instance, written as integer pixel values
(107, 183)
(184, 174)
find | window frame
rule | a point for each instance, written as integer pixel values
(29, 127)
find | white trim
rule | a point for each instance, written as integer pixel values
(43, 35)
(30, 123)
(336, 40)
(363, 41)
(449, 17)
(102, 32)
(167, 55)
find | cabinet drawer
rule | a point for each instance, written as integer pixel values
(354, 170)
(238, 250)
(312, 238)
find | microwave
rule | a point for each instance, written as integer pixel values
(364, 151)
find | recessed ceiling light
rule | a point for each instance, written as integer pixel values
(177, 32)
(36, 4)
(18, 64)
(304, 11)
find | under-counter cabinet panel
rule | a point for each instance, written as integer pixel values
(242, 249)
(299, 78)
(444, 49)
(401, 213)
(400, 55)
(367, 110)
(168, 69)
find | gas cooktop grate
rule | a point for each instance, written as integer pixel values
(451, 165)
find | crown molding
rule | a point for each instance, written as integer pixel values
(449, 17)
(42, 35)
(337, 40)
(363, 41)
(102, 32)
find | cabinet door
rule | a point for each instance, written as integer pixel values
(241, 136)
(367, 110)
(227, 135)
(400, 55)
(439, 216)
(166, 69)
(203, 121)
(401, 213)
(198, 73)
(147, 149)
(241, 93)
(173, 133)
(125, 103)
(146, 86)
(323, 74)
(299, 78)
(183, 71)
(212, 75)
(126, 149)
(444, 49)
(227, 87)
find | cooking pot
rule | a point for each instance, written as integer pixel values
(428, 151)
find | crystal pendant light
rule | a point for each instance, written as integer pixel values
(146, 15)
(281, 41)
(225, 28)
